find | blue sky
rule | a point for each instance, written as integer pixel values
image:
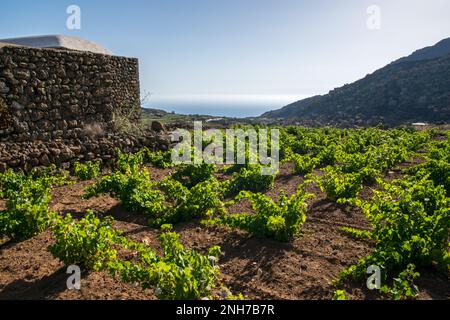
(242, 47)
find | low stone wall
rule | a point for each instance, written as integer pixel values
(45, 94)
(58, 107)
(65, 152)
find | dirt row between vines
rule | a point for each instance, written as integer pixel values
(258, 268)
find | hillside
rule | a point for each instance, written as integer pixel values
(440, 49)
(411, 89)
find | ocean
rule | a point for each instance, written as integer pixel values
(238, 106)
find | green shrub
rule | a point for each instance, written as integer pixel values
(179, 274)
(88, 242)
(281, 220)
(436, 170)
(168, 201)
(159, 159)
(411, 222)
(27, 212)
(303, 164)
(340, 186)
(403, 287)
(86, 171)
(339, 295)
(411, 226)
(26, 215)
(201, 201)
(251, 179)
(193, 275)
(135, 190)
(327, 156)
(11, 181)
(356, 233)
(192, 174)
(129, 162)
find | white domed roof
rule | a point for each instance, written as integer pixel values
(57, 42)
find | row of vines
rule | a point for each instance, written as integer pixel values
(410, 217)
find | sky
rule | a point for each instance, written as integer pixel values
(242, 48)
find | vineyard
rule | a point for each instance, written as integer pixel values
(341, 201)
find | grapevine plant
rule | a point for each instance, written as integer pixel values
(249, 179)
(88, 242)
(86, 171)
(192, 174)
(178, 273)
(168, 201)
(159, 159)
(28, 198)
(411, 228)
(339, 187)
(281, 220)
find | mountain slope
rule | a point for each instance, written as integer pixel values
(414, 88)
(440, 49)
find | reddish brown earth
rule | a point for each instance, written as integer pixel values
(258, 268)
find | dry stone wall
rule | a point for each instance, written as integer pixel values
(57, 106)
(47, 93)
(65, 152)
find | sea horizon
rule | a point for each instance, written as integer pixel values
(221, 105)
